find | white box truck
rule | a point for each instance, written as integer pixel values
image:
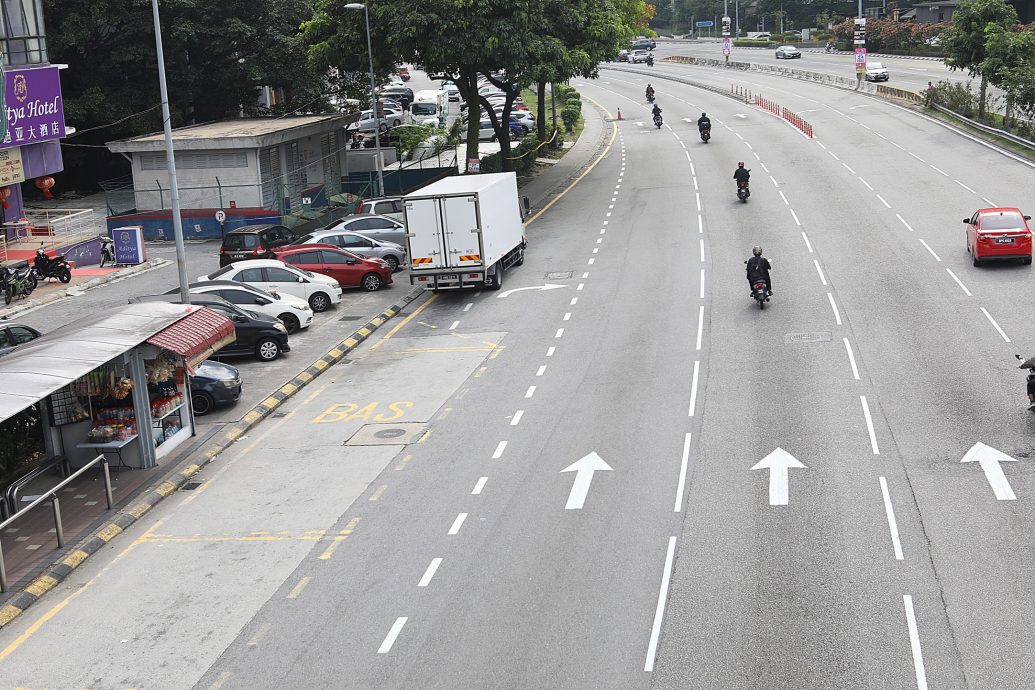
(430, 108)
(464, 231)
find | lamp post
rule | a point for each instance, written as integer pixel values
(373, 96)
(170, 161)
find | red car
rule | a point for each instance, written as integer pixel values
(998, 233)
(350, 270)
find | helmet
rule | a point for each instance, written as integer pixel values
(704, 114)
(648, 85)
(756, 250)
(740, 164)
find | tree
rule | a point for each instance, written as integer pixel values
(1010, 65)
(965, 41)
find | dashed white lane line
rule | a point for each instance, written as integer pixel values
(1001, 331)
(833, 305)
(425, 579)
(869, 425)
(550, 350)
(822, 145)
(695, 184)
(687, 155)
(739, 136)
(468, 306)
(938, 170)
(898, 145)
(700, 326)
(867, 184)
(755, 154)
(698, 202)
(702, 250)
(917, 157)
(834, 155)
(585, 275)
(795, 215)
(516, 419)
(965, 187)
(989, 202)
(454, 325)
(389, 640)
(848, 168)
(574, 301)
(457, 523)
(700, 224)
(881, 136)
(693, 171)
(580, 287)
(681, 486)
(903, 220)
(787, 203)
(498, 453)
(959, 282)
(702, 284)
(541, 370)
(479, 485)
(659, 613)
(914, 643)
(892, 523)
(596, 249)
(775, 184)
(763, 166)
(936, 257)
(747, 144)
(851, 359)
(530, 392)
(807, 243)
(886, 204)
(819, 270)
(591, 262)
(693, 388)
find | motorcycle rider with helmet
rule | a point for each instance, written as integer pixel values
(758, 269)
(703, 122)
(650, 93)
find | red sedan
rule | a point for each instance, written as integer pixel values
(998, 233)
(350, 270)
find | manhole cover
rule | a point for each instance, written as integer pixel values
(190, 486)
(816, 337)
(561, 275)
(398, 434)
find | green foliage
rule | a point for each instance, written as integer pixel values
(956, 96)
(885, 35)
(411, 136)
(522, 157)
(751, 43)
(1010, 65)
(965, 42)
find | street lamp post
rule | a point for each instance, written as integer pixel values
(373, 97)
(170, 161)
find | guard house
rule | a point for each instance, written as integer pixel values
(255, 170)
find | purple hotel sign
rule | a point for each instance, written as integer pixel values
(35, 112)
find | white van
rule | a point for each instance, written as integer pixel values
(430, 108)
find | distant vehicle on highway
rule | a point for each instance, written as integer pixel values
(998, 233)
(638, 56)
(876, 71)
(644, 44)
(787, 53)
(623, 55)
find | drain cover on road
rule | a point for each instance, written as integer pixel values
(387, 434)
(562, 275)
(816, 337)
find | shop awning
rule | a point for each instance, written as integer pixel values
(196, 336)
(34, 370)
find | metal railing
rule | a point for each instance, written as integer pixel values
(9, 504)
(67, 221)
(51, 495)
(985, 128)
(3, 247)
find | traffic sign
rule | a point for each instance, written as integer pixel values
(703, 24)
(727, 46)
(860, 60)
(220, 216)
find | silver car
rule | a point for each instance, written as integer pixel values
(787, 53)
(391, 206)
(372, 225)
(393, 254)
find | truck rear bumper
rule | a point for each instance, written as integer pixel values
(449, 281)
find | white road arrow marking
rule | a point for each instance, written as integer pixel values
(584, 470)
(740, 115)
(778, 463)
(989, 459)
(540, 288)
(860, 106)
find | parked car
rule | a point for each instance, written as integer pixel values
(393, 254)
(404, 73)
(350, 270)
(487, 133)
(998, 233)
(373, 226)
(787, 53)
(875, 71)
(294, 312)
(14, 334)
(214, 385)
(391, 206)
(271, 275)
(405, 92)
(638, 56)
(367, 123)
(260, 335)
(253, 242)
(523, 117)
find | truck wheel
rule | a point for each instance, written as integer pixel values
(497, 279)
(521, 259)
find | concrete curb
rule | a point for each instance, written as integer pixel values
(54, 574)
(26, 305)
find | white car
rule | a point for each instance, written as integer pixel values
(320, 291)
(876, 71)
(638, 56)
(523, 117)
(367, 123)
(294, 312)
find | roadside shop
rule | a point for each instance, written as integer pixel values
(114, 384)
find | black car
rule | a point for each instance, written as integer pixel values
(214, 385)
(14, 334)
(257, 334)
(253, 242)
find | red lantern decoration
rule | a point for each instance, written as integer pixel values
(45, 183)
(5, 193)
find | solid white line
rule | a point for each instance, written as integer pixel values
(550, 350)
(807, 243)
(693, 388)
(914, 643)
(516, 419)
(819, 270)
(851, 359)
(687, 155)
(936, 169)
(397, 627)
(965, 187)
(936, 257)
(886, 204)
(455, 324)
(702, 250)
(869, 425)
(498, 453)
(541, 370)
(530, 392)
(917, 157)
(560, 332)
(795, 215)
(700, 326)
(990, 202)
(468, 307)
(960, 283)
(456, 524)
(702, 283)
(892, 523)
(430, 572)
(847, 168)
(904, 222)
(833, 305)
(659, 613)
(681, 486)
(782, 196)
(1001, 332)
(479, 485)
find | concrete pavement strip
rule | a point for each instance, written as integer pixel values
(56, 573)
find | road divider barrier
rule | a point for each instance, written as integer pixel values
(772, 107)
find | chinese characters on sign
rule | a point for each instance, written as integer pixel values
(11, 171)
(34, 108)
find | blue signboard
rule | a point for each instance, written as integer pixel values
(704, 23)
(129, 245)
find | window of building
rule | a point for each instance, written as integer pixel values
(24, 40)
(269, 173)
(196, 160)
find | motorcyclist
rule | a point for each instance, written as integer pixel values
(650, 92)
(650, 59)
(656, 112)
(830, 47)
(741, 174)
(758, 269)
(703, 122)
(1031, 390)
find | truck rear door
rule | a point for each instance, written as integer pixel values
(463, 231)
(424, 234)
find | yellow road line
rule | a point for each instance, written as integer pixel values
(223, 677)
(445, 413)
(337, 540)
(402, 463)
(293, 594)
(258, 635)
(398, 326)
(380, 492)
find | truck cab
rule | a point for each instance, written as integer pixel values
(430, 108)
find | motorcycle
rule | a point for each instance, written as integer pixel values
(706, 134)
(657, 121)
(107, 250)
(1028, 364)
(831, 49)
(650, 61)
(17, 283)
(650, 97)
(760, 294)
(45, 267)
(742, 190)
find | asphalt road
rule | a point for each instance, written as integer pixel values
(410, 522)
